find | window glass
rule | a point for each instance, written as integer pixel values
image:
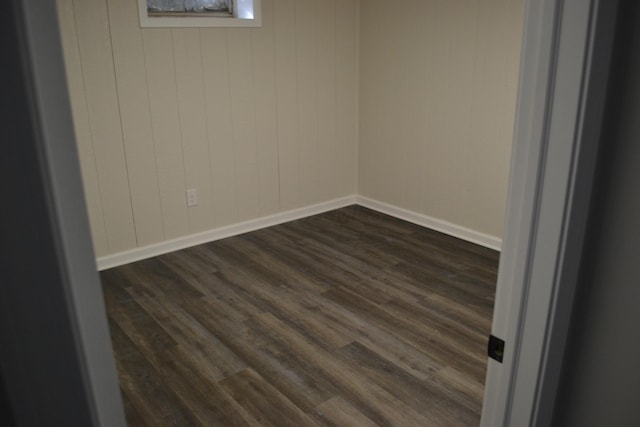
(190, 6)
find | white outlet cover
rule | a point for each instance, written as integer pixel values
(192, 197)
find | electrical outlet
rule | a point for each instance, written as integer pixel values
(192, 197)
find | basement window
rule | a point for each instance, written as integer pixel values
(199, 13)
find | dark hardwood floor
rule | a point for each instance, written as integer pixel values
(349, 318)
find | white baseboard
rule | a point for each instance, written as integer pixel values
(138, 254)
(451, 229)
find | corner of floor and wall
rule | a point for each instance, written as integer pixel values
(406, 110)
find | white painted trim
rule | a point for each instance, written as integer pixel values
(563, 80)
(537, 58)
(252, 8)
(156, 249)
(426, 221)
(436, 224)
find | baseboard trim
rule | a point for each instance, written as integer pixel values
(451, 229)
(149, 251)
(138, 254)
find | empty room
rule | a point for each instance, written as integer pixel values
(297, 216)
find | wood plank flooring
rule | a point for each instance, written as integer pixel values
(349, 318)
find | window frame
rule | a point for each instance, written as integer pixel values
(241, 8)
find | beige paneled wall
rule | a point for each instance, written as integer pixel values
(438, 83)
(414, 102)
(259, 121)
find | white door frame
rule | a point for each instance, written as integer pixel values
(566, 53)
(56, 361)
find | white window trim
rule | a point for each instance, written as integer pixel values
(248, 13)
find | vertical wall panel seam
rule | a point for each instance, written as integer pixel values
(317, 102)
(255, 128)
(422, 197)
(233, 132)
(180, 124)
(275, 73)
(86, 106)
(153, 137)
(334, 87)
(124, 149)
(356, 159)
(206, 129)
(405, 152)
(297, 121)
(335, 73)
(475, 81)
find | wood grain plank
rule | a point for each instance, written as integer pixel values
(209, 402)
(151, 278)
(293, 322)
(424, 397)
(461, 388)
(468, 340)
(293, 376)
(370, 399)
(133, 417)
(425, 339)
(199, 406)
(264, 402)
(279, 293)
(316, 262)
(380, 286)
(196, 346)
(387, 345)
(337, 412)
(267, 264)
(144, 333)
(191, 268)
(144, 387)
